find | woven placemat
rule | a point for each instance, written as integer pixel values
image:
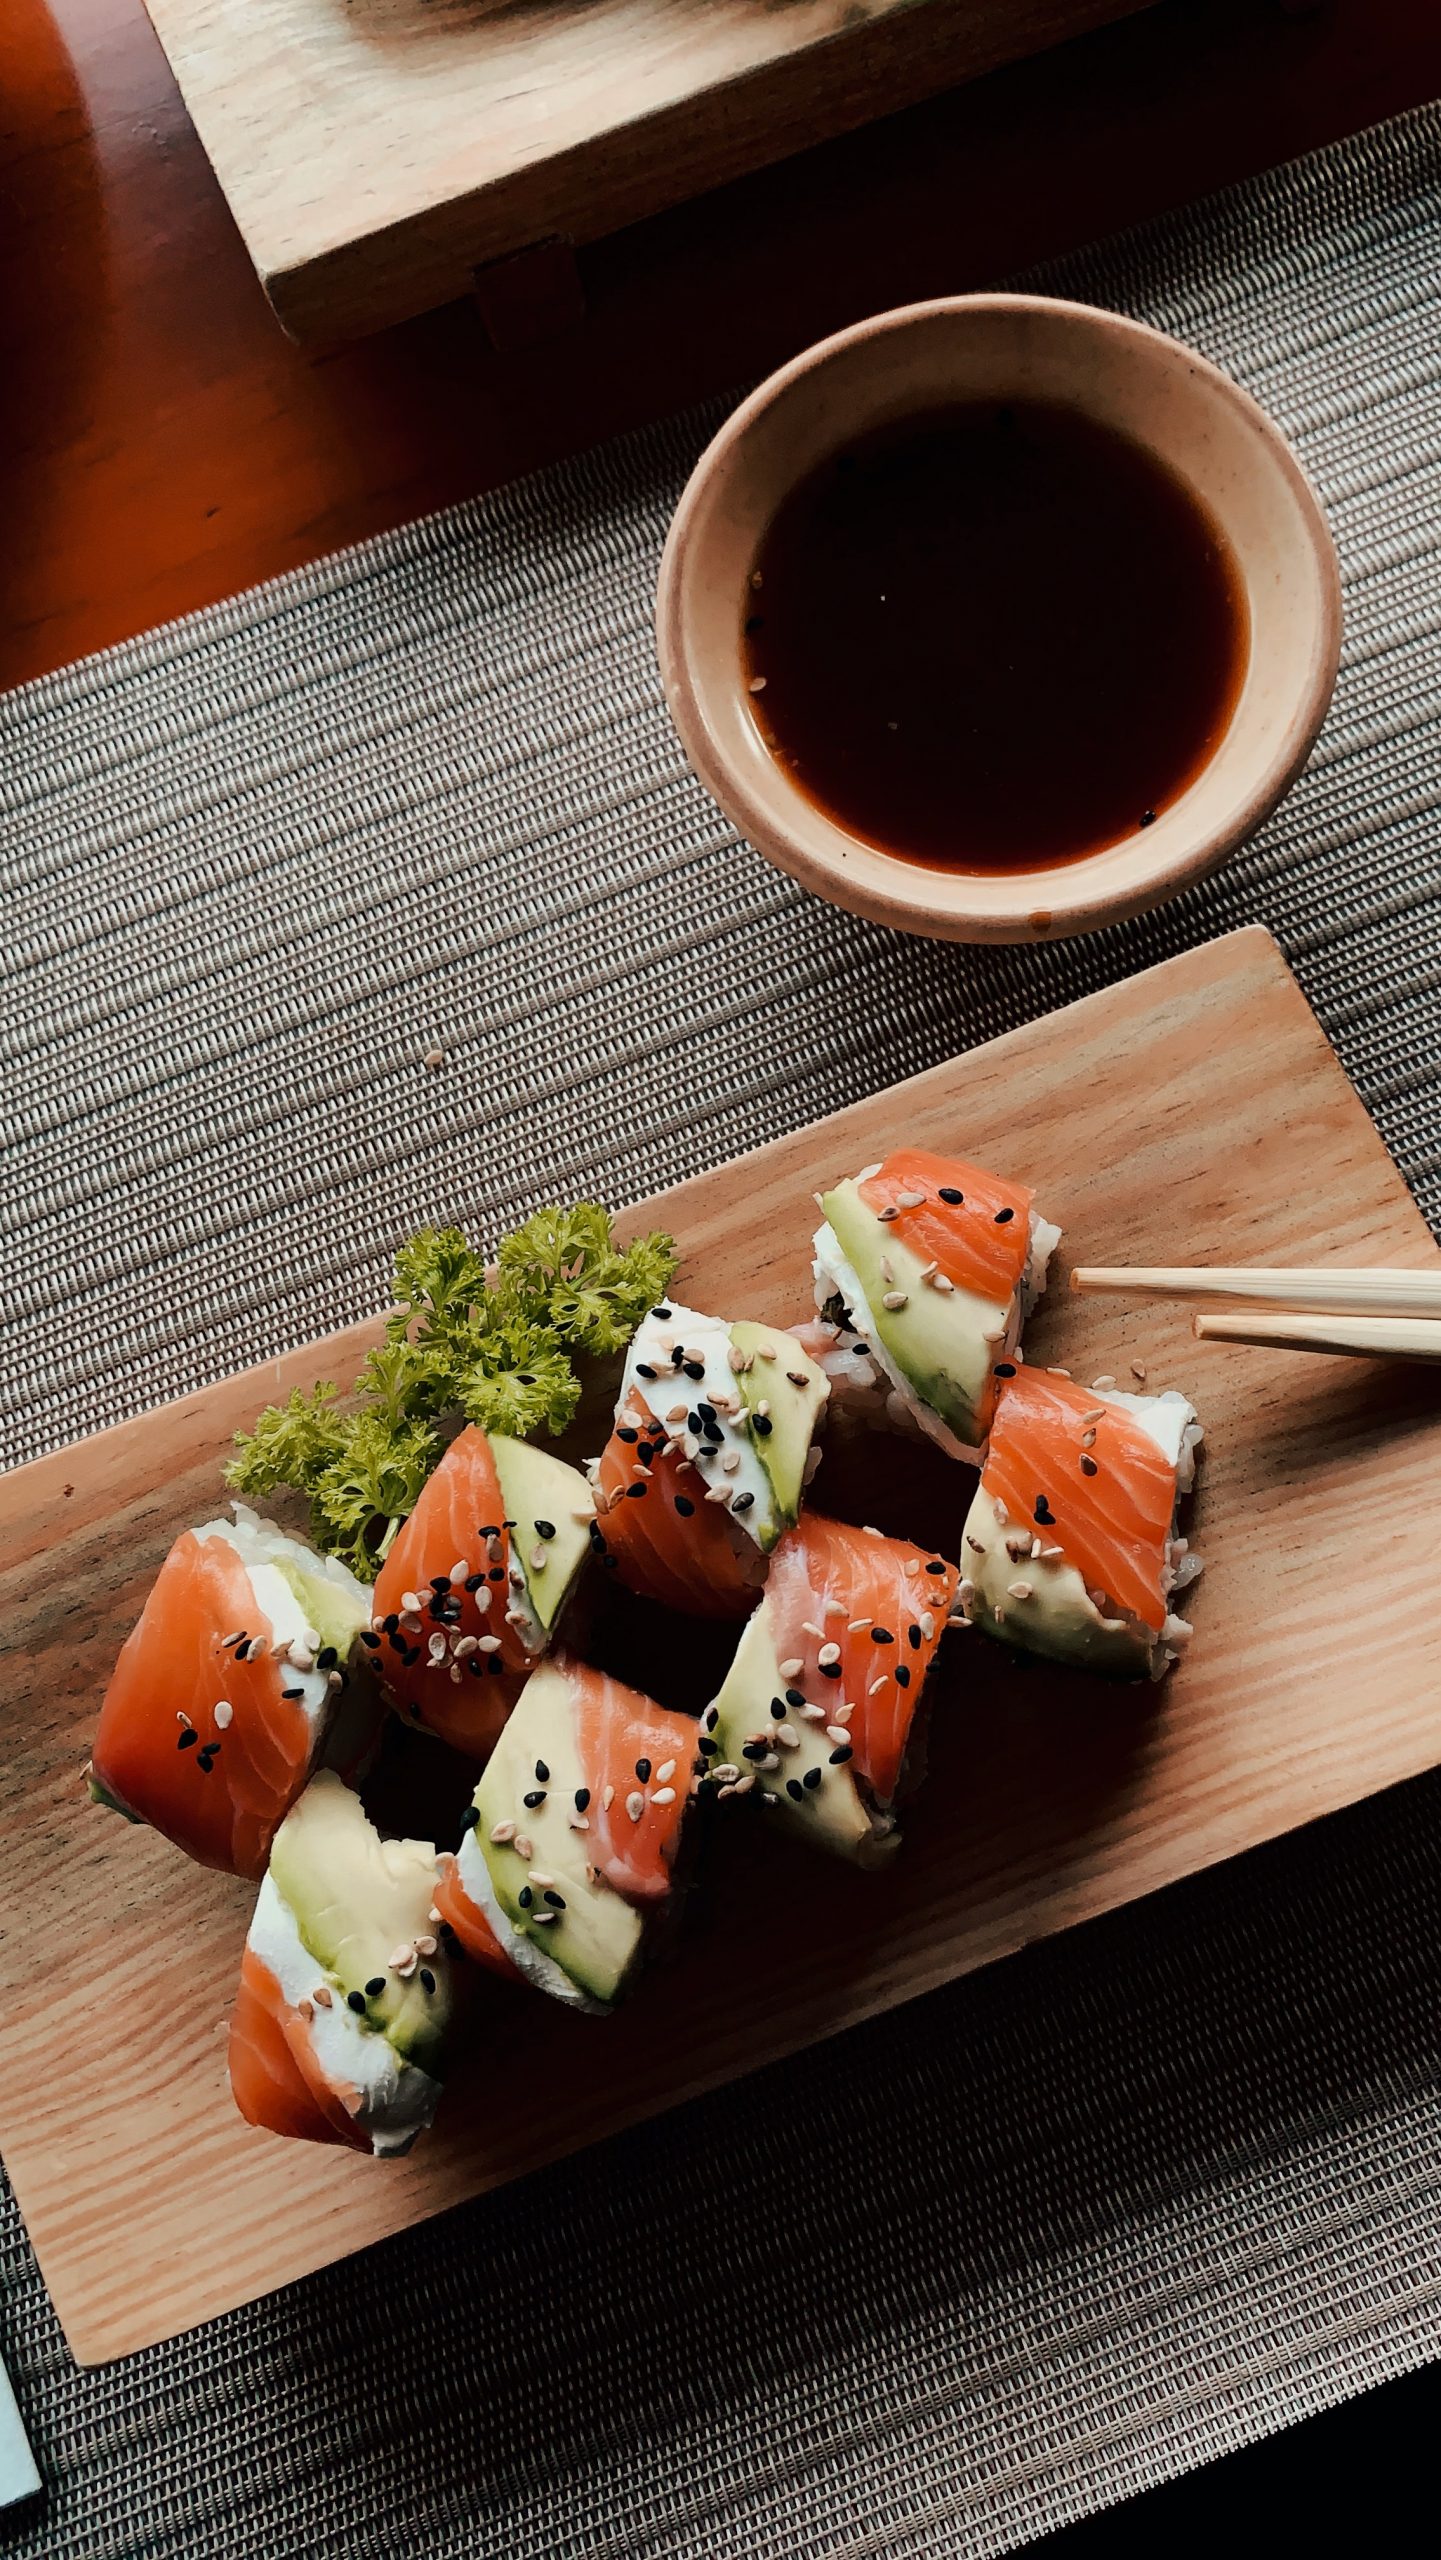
(1046, 2236)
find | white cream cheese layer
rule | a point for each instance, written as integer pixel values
(528, 1959)
(669, 1395)
(399, 2099)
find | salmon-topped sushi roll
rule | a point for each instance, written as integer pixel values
(711, 1452)
(340, 2021)
(818, 1717)
(926, 1268)
(1072, 1547)
(222, 1699)
(569, 1857)
(470, 1594)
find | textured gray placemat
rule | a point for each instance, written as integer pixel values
(1098, 2215)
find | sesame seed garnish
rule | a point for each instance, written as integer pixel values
(323, 1996)
(663, 1795)
(788, 1738)
(224, 1713)
(875, 1685)
(635, 1804)
(542, 1919)
(184, 1740)
(1003, 1217)
(842, 1714)
(356, 2000)
(1088, 1466)
(836, 1733)
(887, 1214)
(895, 1299)
(1138, 1371)
(542, 1773)
(534, 1796)
(794, 1788)
(829, 1654)
(812, 1778)
(1019, 1590)
(1099, 1385)
(607, 1798)
(523, 1847)
(539, 1877)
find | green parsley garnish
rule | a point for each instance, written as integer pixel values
(500, 1353)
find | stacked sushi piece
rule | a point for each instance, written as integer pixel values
(246, 1696)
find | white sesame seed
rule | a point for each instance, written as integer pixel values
(607, 1798)
(787, 1737)
(757, 685)
(857, 1626)
(580, 1822)
(464, 1645)
(1054, 1372)
(945, 1286)
(502, 1832)
(663, 1795)
(791, 1668)
(305, 2009)
(460, 1570)
(843, 1713)
(425, 1946)
(524, 1848)
(927, 1625)
(868, 1173)
(910, 1199)
(876, 1684)
(543, 1919)
(730, 1463)
(1019, 1590)
(635, 1804)
(743, 1786)
(886, 1215)
(771, 1761)
(538, 1876)
(828, 1654)
(224, 1714)
(1099, 1385)
(488, 1644)
(836, 1733)
(323, 1996)
(767, 1351)
(436, 1648)
(895, 1299)
(887, 1268)
(410, 1600)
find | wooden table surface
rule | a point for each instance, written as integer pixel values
(162, 444)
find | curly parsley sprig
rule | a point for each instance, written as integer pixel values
(501, 1353)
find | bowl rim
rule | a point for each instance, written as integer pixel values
(1021, 905)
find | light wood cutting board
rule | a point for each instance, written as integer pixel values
(374, 152)
(1196, 1113)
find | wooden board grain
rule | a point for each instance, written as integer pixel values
(1196, 1111)
(374, 152)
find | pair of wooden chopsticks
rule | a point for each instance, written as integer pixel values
(1382, 1315)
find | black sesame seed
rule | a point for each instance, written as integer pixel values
(711, 1719)
(743, 1502)
(543, 1773)
(882, 1635)
(749, 1750)
(952, 1197)
(469, 1818)
(545, 1528)
(1004, 1369)
(476, 1666)
(1148, 817)
(1044, 1516)
(525, 1897)
(829, 1670)
(761, 1425)
(473, 1581)
(913, 1638)
(1004, 1216)
(187, 1738)
(292, 1693)
(707, 1412)
(356, 2000)
(375, 1986)
(556, 1901)
(708, 1744)
(390, 1623)
(427, 1977)
(794, 1788)
(440, 1582)
(643, 1369)
(369, 1638)
(794, 1698)
(684, 1505)
(627, 1431)
(842, 1752)
(496, 1573)
(663, 1313)
(811, 1779)
(693, 1368)
(935, 1565)
(491, 1530)
(1088, 1466)
(642, 1770)
(634, 1492)
(677, 1355)
(903, 1675)
(496, 1664)
(535, 1796)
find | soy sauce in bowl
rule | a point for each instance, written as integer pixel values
(998, 636)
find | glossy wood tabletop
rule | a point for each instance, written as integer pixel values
(163, 444)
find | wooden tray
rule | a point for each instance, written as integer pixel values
(1196, 1112)
(374, 152)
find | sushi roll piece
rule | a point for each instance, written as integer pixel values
(711, 1453)
(568, 1863)
(819, 1714)
(1072, 1548)
(339, 2024)
(219, 1707)
(927, 1268)
(471, 1592)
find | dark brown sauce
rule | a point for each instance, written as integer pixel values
(994, 637)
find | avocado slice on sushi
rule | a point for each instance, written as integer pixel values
(783, 1391)
(818, 1716)
(934, 1265)
(548, 1508)
(569, 1854)
(344, 2003)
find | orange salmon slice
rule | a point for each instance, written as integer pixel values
(1111, 1500)
(973, 1225)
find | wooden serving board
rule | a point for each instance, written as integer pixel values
(1195, 1113)
(375, 152)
